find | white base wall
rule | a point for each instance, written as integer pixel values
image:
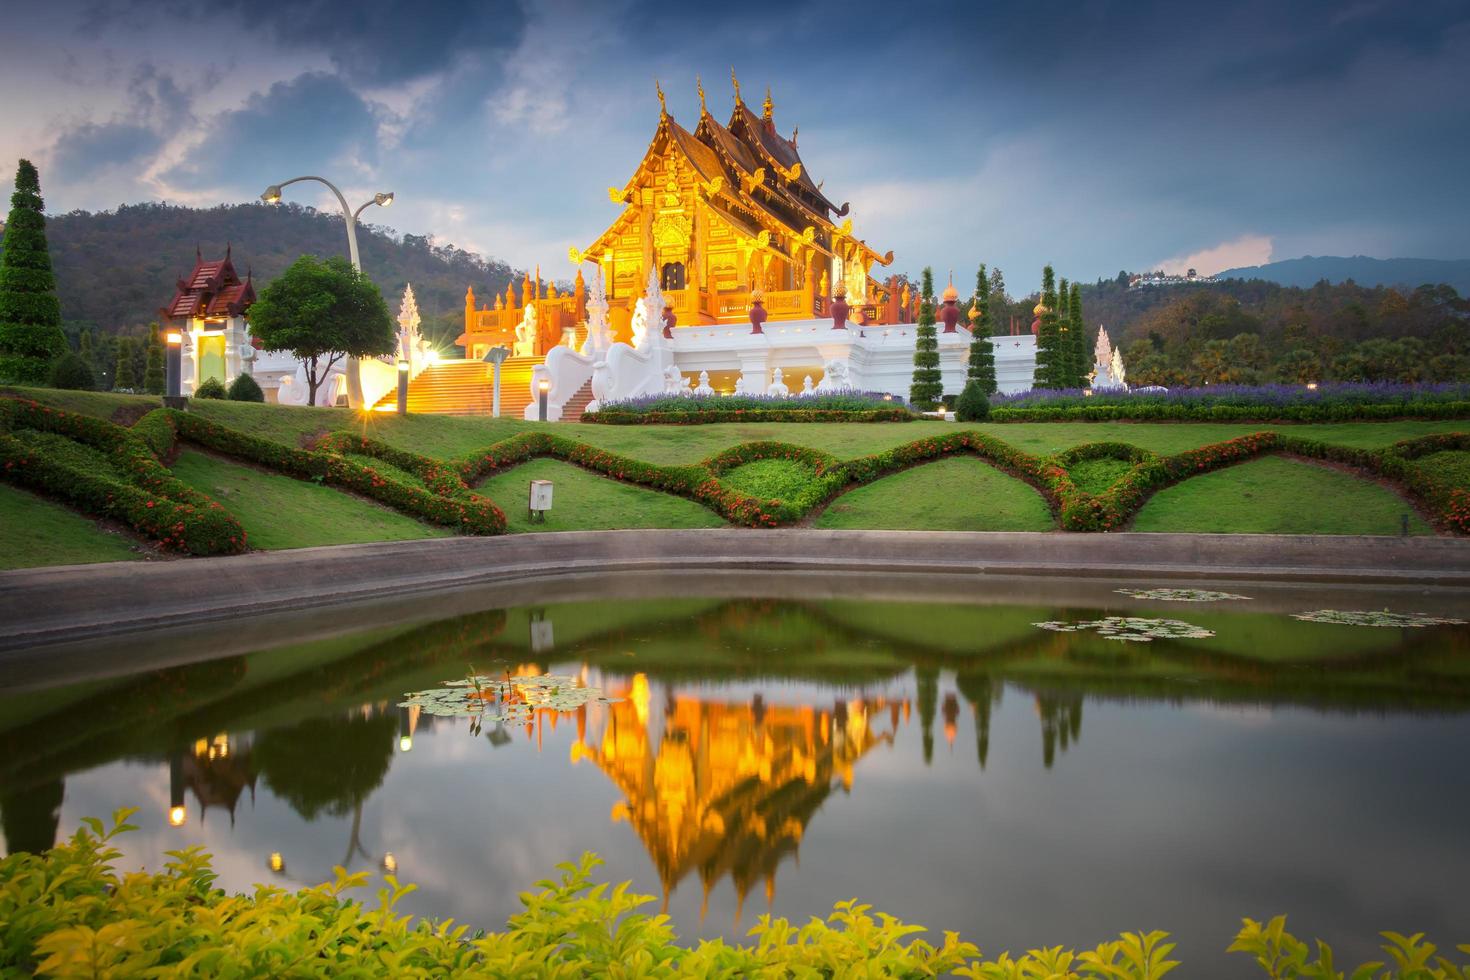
(878, 358)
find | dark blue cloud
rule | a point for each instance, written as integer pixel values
(298, 126)
(81, 153)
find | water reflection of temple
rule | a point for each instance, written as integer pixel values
(217, 770)
(727, 788)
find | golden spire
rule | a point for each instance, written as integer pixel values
(950, 292)
(735, 82)
(700, 86)
(663, 109)
(768, 107)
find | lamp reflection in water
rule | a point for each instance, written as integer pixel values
(177, 814)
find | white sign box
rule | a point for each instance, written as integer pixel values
(540, 495)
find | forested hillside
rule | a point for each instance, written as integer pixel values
(114, 269)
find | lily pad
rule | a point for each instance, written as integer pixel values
(1181, 595)
(1375, 618)
(504, 699)
(1132, 629)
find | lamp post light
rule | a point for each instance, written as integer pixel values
(272, 195)
(543, 387)
(174, 368)
(495, 357)
(402, 387)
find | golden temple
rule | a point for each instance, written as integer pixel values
(719, 212)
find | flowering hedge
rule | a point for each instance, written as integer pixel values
(455, 506)
(1251, 403)
(138, 491)
(610, 417)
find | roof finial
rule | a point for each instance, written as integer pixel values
(768, 107)
(700, 86)
(228, 247)
(198, 255)
(663, 109)
(794, 131)
(735, 82)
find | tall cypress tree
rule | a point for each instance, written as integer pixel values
(84, 348)
(1066, 370)
(982, 351)
(928, 387)
(30, 313)
(153, 373)
(1081, 361)
(1050, 359)
(124, 379)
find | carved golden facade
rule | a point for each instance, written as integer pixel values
(726, 209)
(719, 212)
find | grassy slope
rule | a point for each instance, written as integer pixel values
(956, 494)
(280, 512)
(1277, 496)
(583, 501)
(35, 532)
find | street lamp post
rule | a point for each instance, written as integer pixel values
(542, 388)
(272, 195)
(174, 364)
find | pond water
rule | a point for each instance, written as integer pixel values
(757, 746)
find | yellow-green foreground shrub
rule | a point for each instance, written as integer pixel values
(67, 913)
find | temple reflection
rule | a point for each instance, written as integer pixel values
(728, 788)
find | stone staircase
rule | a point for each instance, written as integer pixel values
(577, 404)
(463, 388)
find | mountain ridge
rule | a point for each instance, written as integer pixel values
(1365, 270)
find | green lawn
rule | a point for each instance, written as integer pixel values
(1278, 496)
(778, 479)
(583, 501)
(281, 512)
(36, 532)
(954, 494)
(1096, 475)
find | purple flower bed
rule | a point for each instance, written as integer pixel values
(1343, 401)
(847, 401)
(1343, 393)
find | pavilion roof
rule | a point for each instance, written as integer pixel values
(211, 289)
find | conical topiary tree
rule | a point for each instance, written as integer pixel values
(981, 368)
(30, 313)
(123, 378)
(153, 373)
(1081, 355)
(1050, 358)
(928, 387)
(1066, 370)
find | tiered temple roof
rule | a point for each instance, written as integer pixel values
(751, 176)
(212, 290)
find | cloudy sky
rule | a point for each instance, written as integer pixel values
(1098, 135)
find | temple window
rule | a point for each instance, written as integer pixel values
(672, 276)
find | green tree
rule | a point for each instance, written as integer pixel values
(323, 311)
(981, 369)
(928, 386)
(1299, 366)
(245, 389)
(1065, 368)
(71, 371)
(87, 353)
(1050, 358)
(1077, 335)
(30, 313)
(153, 374)
(123, 378)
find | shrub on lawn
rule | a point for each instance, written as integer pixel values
(245, 389)
(972, 405)
(210, 388)
(69, 912)
(72, 372)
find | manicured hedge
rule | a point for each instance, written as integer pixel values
(1166, 412)
(146, 497)
(460, 509)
